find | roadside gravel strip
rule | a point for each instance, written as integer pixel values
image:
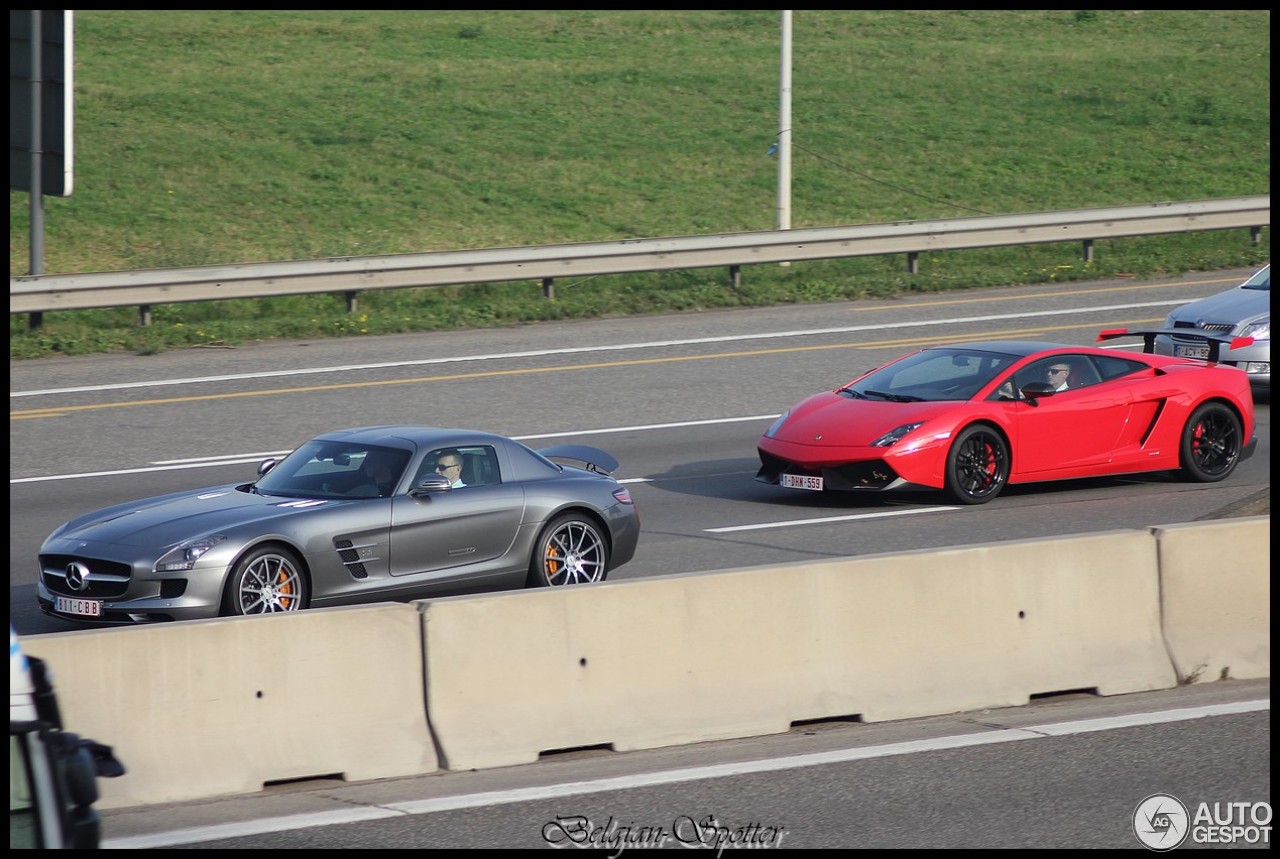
(1258, 504)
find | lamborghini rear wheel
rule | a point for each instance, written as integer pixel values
(1211, 443)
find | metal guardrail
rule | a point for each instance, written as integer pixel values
(38, 293)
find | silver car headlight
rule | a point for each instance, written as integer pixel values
(894, 435)
(777, 425)
(184, 555)
(1257, 330)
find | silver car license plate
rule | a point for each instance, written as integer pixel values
(1201, 352)
(84, 608)
(801, 481)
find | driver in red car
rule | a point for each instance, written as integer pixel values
(1060, 375)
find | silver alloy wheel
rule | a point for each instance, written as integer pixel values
(571, 552)
(267, 581)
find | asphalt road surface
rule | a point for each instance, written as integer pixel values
(679, 400)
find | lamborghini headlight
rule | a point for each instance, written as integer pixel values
(777, 425)
(895, 435)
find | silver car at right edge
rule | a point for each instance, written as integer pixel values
(1242, 311)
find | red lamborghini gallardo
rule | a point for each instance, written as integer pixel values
(971, 418)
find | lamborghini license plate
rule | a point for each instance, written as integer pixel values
(801, 481)
(1201, 352)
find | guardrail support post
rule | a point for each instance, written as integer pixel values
(144, 315)
(353, 300)
(35, 320)
(548, 287)
(1088, 250)
(913, 262)
(735, 278)
(1255, 235)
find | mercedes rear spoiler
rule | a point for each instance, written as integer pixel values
(593, 458)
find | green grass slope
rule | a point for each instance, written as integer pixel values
(215, 137)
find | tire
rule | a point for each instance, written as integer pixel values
(570, 551)
(977, 465)
(1211, 440)
(267, 580)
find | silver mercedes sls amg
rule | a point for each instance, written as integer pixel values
(372, 514)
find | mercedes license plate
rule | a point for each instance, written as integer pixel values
(1201, 352)
(801, 481)
(84, 608)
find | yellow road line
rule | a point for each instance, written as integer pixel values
(1057, 293)
(31, 414)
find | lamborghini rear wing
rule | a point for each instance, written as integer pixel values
(1214, 342)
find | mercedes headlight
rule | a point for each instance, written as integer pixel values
(184, 555)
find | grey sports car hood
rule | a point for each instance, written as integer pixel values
(170, 519)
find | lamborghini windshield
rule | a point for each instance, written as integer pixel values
(932, 375)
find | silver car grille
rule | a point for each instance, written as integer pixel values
(1207, 327)
(106, 579)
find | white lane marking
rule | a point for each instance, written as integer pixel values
(488, 799)
(243, 458)
(182, 467)
(826, 519)
(538, 353)
(674, 425)
(217, 460)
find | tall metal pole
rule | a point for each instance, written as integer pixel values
(36, 241)
(784, 127)
(37, 136)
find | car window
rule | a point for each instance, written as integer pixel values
(1115, 366)
(479, 465)
(321, 469)
(1080, 372)
(933, 375)
(1261, 280)
(328, 463)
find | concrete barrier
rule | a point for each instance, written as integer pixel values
(1216, 597)
(679, 659)
(219, 707)
(206, 708)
